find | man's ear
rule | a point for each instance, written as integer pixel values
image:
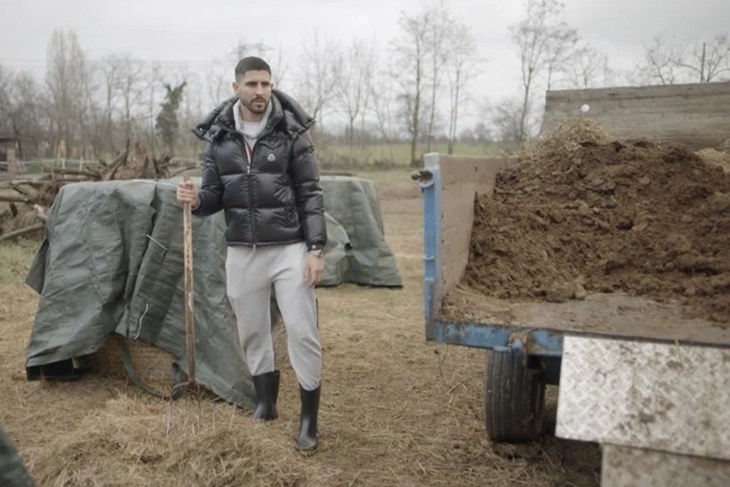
(234, 85)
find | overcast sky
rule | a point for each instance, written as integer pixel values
(193, 31)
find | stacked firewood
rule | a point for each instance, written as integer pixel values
(28, 199)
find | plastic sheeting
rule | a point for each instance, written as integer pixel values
(353, 202)
(112, 263)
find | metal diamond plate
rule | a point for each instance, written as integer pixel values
(632, 467)
(649, 395)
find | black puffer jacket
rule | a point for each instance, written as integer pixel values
(277, 199)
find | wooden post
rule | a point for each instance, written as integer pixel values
(189, 297)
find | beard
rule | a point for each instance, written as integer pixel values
(257, 106)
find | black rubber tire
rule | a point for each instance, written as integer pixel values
(514, 398)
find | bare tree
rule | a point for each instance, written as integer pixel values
(132, 89)
(279, 67)
(152, 83)
(22, 111)
(441, 26)
(383, 107)
(659, 63)
(319, 67)
(353, 85)
(543, 40)
(561, 51)
(460, 67)
(67, 78)
(507, 118)
(190, 111)
(589, 68)
(6, 107)
(707, 61)
(218, 81)
(685, 61)
(410, 49)
(110, 72)
(92, 124)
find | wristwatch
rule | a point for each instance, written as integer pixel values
(316, 251)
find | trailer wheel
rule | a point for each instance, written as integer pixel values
(514, 397)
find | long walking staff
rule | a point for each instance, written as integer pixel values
(188, 266)
(190, 385)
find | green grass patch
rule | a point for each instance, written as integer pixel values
(15, 260)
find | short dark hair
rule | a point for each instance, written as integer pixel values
(251, 63)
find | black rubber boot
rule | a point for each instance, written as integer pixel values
(265, 386)
(307, 440)
(275, 388)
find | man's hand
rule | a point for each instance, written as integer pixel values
(187, 193)
(313, 269)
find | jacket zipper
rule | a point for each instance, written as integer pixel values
(249, 159)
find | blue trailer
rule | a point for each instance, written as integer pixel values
(524, 341)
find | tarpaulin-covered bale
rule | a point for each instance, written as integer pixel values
(111, 266)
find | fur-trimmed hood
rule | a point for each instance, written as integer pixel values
(285, 110)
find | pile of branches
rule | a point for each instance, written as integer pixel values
(28, 199)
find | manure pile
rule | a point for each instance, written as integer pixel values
(581, 212)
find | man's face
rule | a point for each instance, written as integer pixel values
(254, 90)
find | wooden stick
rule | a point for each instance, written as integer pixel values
(15, 199)
(188, 268)
(74, 172)
(28, 182)
(20, 189)
(116, 163)
(75, 179)
(22, 231)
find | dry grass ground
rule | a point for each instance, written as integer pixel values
(395, 409)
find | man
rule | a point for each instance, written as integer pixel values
(260, 168)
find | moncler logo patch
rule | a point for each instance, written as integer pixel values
(271, 157)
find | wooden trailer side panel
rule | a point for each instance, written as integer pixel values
(462, 177)
(697, 115)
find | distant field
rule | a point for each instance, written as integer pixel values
(331, 156)
(396, 154)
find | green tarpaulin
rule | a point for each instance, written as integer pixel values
(353, 202)
(112, 264)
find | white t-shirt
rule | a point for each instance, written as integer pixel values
(250, 130)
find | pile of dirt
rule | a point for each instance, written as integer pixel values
(566, 138)
(717, 157)
(581, 213)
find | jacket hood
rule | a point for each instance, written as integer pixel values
(285, 110)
